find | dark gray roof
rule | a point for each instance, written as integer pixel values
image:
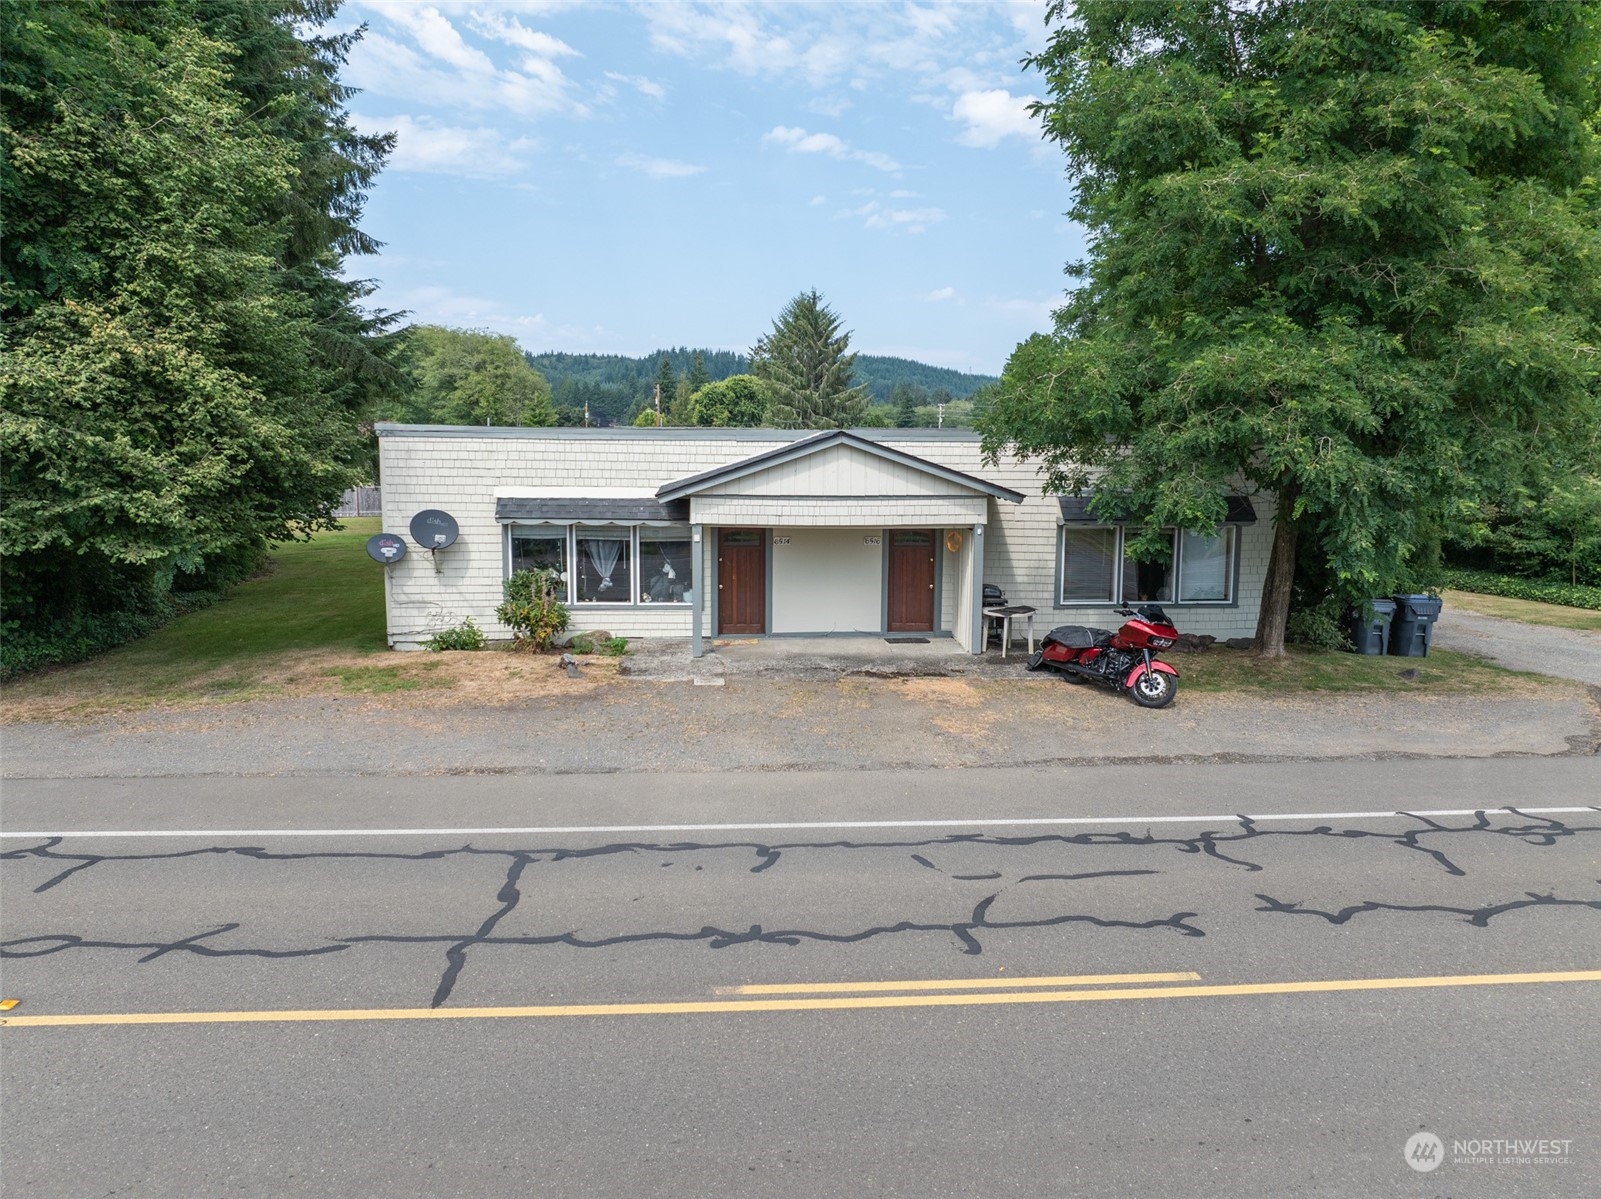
(1076, 511)
(592, 511)
(822, 441)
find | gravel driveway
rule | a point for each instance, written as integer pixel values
(1562, 653)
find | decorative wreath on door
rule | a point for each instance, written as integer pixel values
(953, 540)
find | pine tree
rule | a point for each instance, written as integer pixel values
(697, 377)
(667, 380)
(807, 371)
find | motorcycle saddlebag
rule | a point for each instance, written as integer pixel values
(1077, 636)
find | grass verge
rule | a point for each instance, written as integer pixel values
(1527, 611)
(1443, 671)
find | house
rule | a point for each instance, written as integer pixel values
(706, 533)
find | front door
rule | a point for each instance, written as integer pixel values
(741, 581)
(911, 580)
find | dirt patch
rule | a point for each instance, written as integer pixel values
(453, 679)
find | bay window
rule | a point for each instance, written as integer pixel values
(609, 564)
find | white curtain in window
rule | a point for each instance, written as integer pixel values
(603, 554)
(1206, 567)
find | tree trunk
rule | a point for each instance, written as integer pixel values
(1275, 611)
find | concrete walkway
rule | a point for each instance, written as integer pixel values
(818, 658)
(1561, 653)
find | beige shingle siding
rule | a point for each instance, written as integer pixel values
(459, 473)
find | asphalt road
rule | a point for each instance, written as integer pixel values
(613, 1054)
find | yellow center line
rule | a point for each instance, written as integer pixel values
(956, 984)
(835, 1003)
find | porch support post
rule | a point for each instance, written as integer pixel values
(975, 583)
(696, 571)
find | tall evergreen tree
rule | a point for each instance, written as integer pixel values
(697, 377)
(806, 368)
(904, 398)
(1348, 254)
(666, 385)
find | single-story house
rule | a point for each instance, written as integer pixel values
(715, 533)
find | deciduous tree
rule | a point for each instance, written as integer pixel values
(1346, 254)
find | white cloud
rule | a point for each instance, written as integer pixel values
(441, 306)
(941, 293)
(993, 115)
(640, 83)
(425, 145)
(797, 141)
(911, 220)
(659, 168)
(819, 201)
(514, 33)
(417, 55)
(845, 41)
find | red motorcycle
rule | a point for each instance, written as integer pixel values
(1120, 660)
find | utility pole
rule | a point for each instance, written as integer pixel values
(586, 414)
(941, 417)
(658, 405)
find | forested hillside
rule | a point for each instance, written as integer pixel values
(615, 386)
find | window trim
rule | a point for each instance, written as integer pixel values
(1231, 572)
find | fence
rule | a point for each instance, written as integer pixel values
(361, 501)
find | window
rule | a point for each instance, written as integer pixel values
(1095, 569)
(665, 566)
(540, 549)
(603, 563)
(1089, 557)
(1207, 574)
(1149, 582)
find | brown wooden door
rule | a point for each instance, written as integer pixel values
(911, 580)
(741, 581)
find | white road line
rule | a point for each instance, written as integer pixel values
(786, 826)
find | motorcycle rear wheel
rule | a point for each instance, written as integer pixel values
(1154, 689)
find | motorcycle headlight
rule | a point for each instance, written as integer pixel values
(1161, 642)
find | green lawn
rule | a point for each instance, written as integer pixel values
(322, 595)
(1222, 669)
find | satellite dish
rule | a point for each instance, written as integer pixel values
(433, 529)
(386, 548)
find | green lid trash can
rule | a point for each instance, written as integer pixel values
(1412, 627)
(1370, 630)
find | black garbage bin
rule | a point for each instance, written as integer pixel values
(1370, 631)
(1412, 627)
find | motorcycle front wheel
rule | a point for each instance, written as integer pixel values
(1154, 689)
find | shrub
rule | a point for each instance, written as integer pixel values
(581, 644)
(531, 610)
(1487, 582)
(1317, 627)
(616, 647)
(464, 636)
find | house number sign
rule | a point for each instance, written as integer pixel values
(781, 541)
(872, 541)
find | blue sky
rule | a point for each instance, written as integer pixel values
(614, 178)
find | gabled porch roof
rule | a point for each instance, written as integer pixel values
(820, 443)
